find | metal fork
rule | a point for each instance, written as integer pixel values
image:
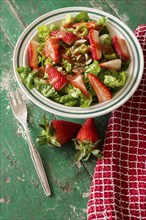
(20, 112)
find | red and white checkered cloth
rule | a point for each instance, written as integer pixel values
(118, 190)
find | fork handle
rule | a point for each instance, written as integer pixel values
(38, 164)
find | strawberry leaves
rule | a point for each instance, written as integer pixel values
(47, 135)
(85, 149)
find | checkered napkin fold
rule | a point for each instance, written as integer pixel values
(118, 189)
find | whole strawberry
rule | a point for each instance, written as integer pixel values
(57, 132)
(87, 141)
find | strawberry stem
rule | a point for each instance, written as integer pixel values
(47, 135)
(86, 149)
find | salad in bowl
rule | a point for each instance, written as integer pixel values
(77, 63)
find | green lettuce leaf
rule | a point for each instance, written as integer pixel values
(26, 69)
(81, 30)
(110, 56)
(53, 27)
(102, 21)
(27, 77)
(82, 49)
(43, 32)
(113, 81)
(84, 102)
(31, 80)
(67, 100)
(67, 20)
(82, 16)
(105, 39)
(67, 66)
(74, 95)
(46, 89)
(93, 68)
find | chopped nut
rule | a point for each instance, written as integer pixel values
(78, 64)
(81, 69)
(75, 70)
(79, 58)
(88, 61)
(80, 41)
(86, 56)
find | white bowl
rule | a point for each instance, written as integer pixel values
(115, 27)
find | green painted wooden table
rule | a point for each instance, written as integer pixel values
(22, 197)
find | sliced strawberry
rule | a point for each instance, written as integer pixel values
(87, 141)
(101, 90)
(33, 54)
(78, 82)
(69, 38)
(112, 64)
(58, 33)
(51, 49)
(120, 47)
(56, 78)
(95, 45)
(57, 132)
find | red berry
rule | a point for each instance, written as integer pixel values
(95, 45)
(101, 90)
(120, 47)
(88, 132)
(56, 78)
(64, 130)
(33, 54)
(112, 64)
(78, 82)
(51, 49)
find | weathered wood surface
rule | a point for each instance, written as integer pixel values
(21, 196)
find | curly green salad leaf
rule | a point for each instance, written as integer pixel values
(27, 76)
(72, 94)
(93, 68)
(102, 21)
(67, 20)
(115, 81)
(67, 65)
(44, 30)
(82, 16)
(112, 78)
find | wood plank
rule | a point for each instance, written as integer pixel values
(44, 8)
(26, 11)
(10, 23)
(132, 12)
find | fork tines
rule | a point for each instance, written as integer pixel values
(15, 97)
